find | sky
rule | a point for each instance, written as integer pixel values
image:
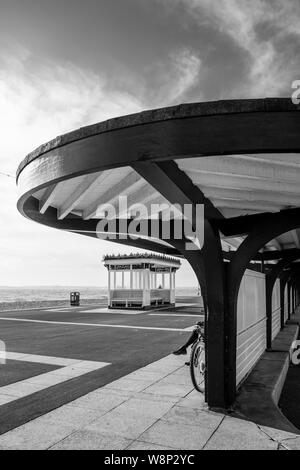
(67, 63)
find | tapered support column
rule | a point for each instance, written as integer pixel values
(289, 300)
(209, 268)
(284, 276)
(282, 286)
(293, 299)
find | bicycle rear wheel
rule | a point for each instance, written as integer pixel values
(197, 366)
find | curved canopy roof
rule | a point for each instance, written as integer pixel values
(239, 158)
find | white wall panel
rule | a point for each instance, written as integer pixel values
(276, 309)
(251, 322)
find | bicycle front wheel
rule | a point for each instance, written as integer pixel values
(198, 367)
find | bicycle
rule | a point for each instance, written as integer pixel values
(197, 361)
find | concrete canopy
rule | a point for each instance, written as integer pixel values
(240, 157)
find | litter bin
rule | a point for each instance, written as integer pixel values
(75, 298)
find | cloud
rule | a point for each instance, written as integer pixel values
(40, 99)
(272, 63)
(171, 80)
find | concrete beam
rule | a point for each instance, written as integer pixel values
(87, 185)
(48, 198)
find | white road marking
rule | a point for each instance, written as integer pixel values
(189, 328)
(25, 309)
(117, 312)
(103, 325)
(71, 309)
(47, 309)
(183, 304)
(176, 314)
(124, 312)
(59, 361)
(71, 368)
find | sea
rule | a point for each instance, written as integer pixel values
(18, 298)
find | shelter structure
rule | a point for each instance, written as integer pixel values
(240, 160)
(151, 280)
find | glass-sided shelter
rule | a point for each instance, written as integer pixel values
(141, 280)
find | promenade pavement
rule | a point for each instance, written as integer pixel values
(152, 408)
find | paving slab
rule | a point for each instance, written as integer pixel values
(177, 379)
(188, 416)
(140, 445)
(159, 398)
(170, 389)
(92, 440)
(100, 400)
(76, 417)
(177, 435)
(277, 434)
(125, 424)
(144, 406)
(236, 434)
(129, 385)
(147, 375)
(132, 417)
(193, 400)
(292, 444)
(35, 436)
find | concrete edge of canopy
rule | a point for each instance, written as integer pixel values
(181, 111)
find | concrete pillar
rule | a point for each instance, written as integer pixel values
(115, 279)
(172, 288)
(123, 281)
(289, 300)
(146, 289)
(108, 287)
(131, 277)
